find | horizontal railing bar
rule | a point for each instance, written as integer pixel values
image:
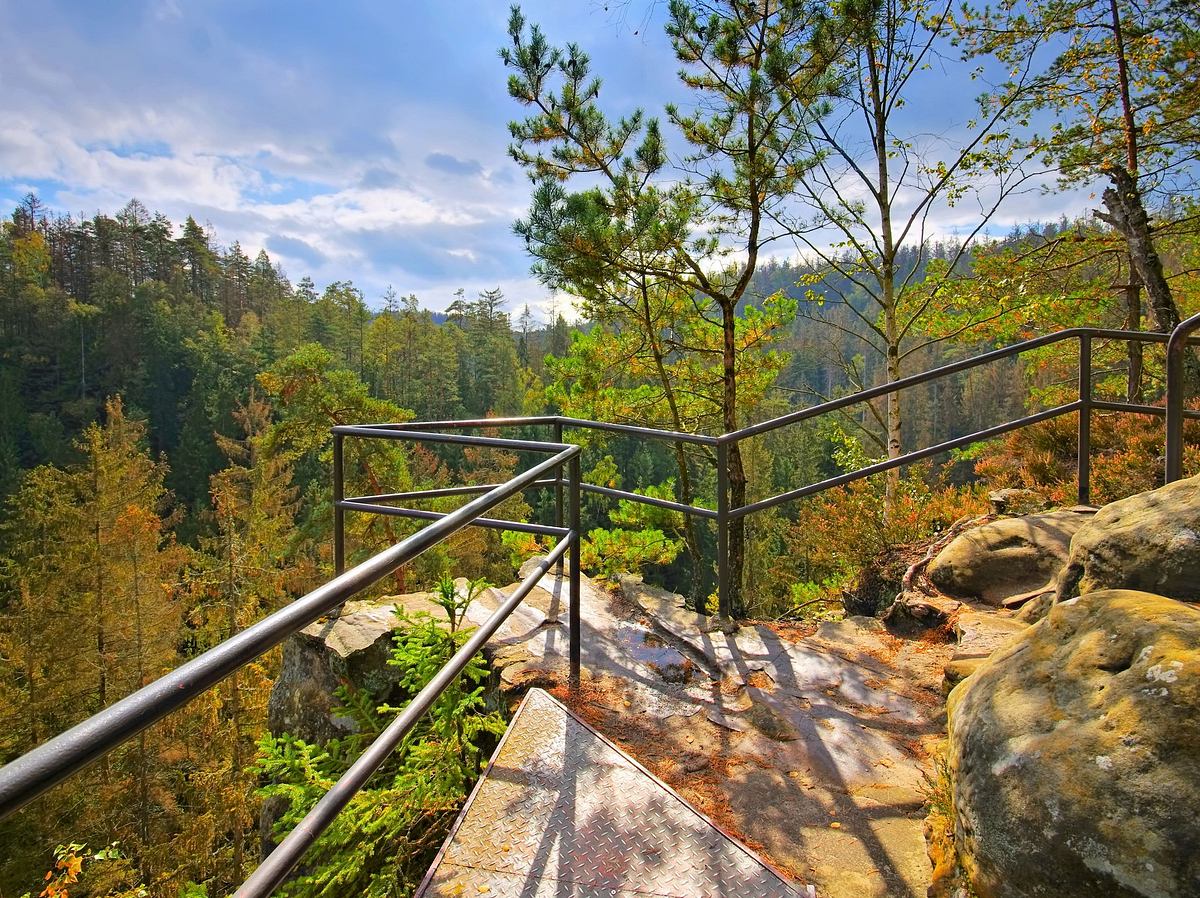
(426, 515)
(47, 765)
(1156, 410)
(650, 500)
(584, 423)
(362, 430)
(1100, 333)
(469, 423)
(671, 436)
(279, 863)
(441, 493)
(907, 458)
(1137, 408)
(897, 385)
(934, 373)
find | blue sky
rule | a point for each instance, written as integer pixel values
(354, 140)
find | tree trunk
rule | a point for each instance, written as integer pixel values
(691, 540)
(143, 775)
(1133, 322)
(737, 472)
(34, 737)
(98, 550)
(894, 414)
(1127, 214)
(235, 713)
(887, 299)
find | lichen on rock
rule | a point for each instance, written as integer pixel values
(1075, 754)
(1149, 541)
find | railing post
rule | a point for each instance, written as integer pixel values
(1176, 347)
(723, 592)
(573, 474)
(558, 488)
(339, 513)
(1084, 447)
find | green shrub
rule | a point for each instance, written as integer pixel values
(382, 843)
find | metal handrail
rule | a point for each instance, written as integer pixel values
(934, 373)
(724, 513)
(279, 863)
(32, 774)
(906, 459)
(1176, 347)
(560, 420)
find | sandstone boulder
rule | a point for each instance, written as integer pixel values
(1006, 557)
(1075, 754)
(979, 634)
(354, 649)
(1150, 541)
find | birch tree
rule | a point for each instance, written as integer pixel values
(884, 185)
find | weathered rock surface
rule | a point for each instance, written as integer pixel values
(1075, 754)
(1007, 557)
(808, 744)
(979, 635)
(352, 648)
(1150, 542)
(815, 742)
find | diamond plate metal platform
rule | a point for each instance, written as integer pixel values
(561, 812)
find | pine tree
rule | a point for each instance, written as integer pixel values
(94, 574)
(245, 575)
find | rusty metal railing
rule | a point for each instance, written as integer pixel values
(1176, 387)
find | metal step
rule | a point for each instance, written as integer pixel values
(561, 812)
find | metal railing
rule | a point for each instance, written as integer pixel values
(1176, 388)
(1084, 404)
(34, 773)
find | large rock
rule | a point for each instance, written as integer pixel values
(1075, 754)
(1150, 541)
(979, 634)
(1017, 501)
(1007, 557)
(353, 648)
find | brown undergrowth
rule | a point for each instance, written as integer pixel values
(690, 755)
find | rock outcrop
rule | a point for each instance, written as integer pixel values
(1150, 542)
(351, 649)
(1075, 754)
(978, 635)
(1007, 557)
(1017, 501)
